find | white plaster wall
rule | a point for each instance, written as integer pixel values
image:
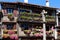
(20, 33)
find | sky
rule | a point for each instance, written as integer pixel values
(53, 3)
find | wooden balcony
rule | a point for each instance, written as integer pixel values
(6, 20)
(30, 21)
(10, 30)
(36, 38)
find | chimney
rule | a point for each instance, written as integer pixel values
(47, 3)
(25, 1)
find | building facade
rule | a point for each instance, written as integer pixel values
(28, 21)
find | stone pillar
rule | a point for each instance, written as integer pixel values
(44, 26)
(56, 25)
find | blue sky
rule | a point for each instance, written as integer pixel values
(53, 3)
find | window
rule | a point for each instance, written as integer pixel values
(10, 10)
(24, 25)
(48, 28)
(10, 26)
(0, 6)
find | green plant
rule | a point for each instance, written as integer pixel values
(27, 32)
(29, 18)
(35, 18)
(25, 17)
(10, 16)
(41, 19)
(29, 13)
(36, 14)
(50, 17)
(26, 14)
(50, 20)
(23, 13)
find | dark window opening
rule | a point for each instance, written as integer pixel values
(10, 26)
(59, 21)
(10, 10)
(24, 10)
(48, 28)
(1, 15)
(51, 13)
(24, 26)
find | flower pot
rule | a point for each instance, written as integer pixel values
(14, 37)
(10, 16)
(11, 19)
(27, 32)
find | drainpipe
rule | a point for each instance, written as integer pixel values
(44, 26)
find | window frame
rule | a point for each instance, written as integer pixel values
(10, 10)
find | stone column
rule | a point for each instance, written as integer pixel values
(44, 26)
(56, 25)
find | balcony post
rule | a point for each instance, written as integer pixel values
(57, 19)
(1, 29)
(44, 28)
(56, 25)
